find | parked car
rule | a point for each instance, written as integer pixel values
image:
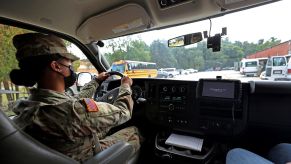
(163, 74)
(171, 71)
(191, 70)
(228, 68)
(185, 72)
(289, 67)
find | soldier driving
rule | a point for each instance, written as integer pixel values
(75, 126)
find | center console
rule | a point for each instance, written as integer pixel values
(209, 107)
(222, 106)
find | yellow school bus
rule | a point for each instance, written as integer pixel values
(135, 69)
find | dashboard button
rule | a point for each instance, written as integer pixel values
(182, 89)
(171, 107)
(174, 89)
(165, 89)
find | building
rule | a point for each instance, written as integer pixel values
(86, 66)
(281, 49)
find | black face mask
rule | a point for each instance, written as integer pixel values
(70, 80)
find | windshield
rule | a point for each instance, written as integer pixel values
(279, 61)
(251, 64)
(257, 33)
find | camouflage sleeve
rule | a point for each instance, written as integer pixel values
(109, 115)
(124, 100)
(88, 90)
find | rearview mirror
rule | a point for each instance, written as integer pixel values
(185, 40)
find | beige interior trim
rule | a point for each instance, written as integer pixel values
(235, 4)
(120, 21)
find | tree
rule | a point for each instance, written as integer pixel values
(179, 54)
(188, 58)
(128, 50)
(268, 44)
(7, 55)
(138, 50)
(161, 55)
(195, 59)
(233, 52)
(249, 48)
(115, 56)
(118, 44)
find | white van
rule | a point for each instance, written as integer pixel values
(249, 67)
(276, 68)
(288, 67)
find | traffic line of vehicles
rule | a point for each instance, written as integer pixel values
(173, 72)
(272, 68)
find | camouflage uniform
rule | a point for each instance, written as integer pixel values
(63, 123)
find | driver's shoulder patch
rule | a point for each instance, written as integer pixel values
(90, 104)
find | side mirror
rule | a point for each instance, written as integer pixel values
(83, 78)
(185, 40)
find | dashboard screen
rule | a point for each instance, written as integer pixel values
(218, 89)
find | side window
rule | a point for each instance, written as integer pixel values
(129, 67)
(82, 65)
(288, 59)
(9, 92)
(279, 61)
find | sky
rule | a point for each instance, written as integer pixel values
(249, 25)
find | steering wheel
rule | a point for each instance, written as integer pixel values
(111, 73)
(111, 95)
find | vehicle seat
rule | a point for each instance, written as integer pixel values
(18, 147)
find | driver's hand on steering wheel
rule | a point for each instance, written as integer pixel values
(126, 80)
(102, 76)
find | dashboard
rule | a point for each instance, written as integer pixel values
(213, 106)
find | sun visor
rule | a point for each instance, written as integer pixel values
(120, 21)
(235, 4)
